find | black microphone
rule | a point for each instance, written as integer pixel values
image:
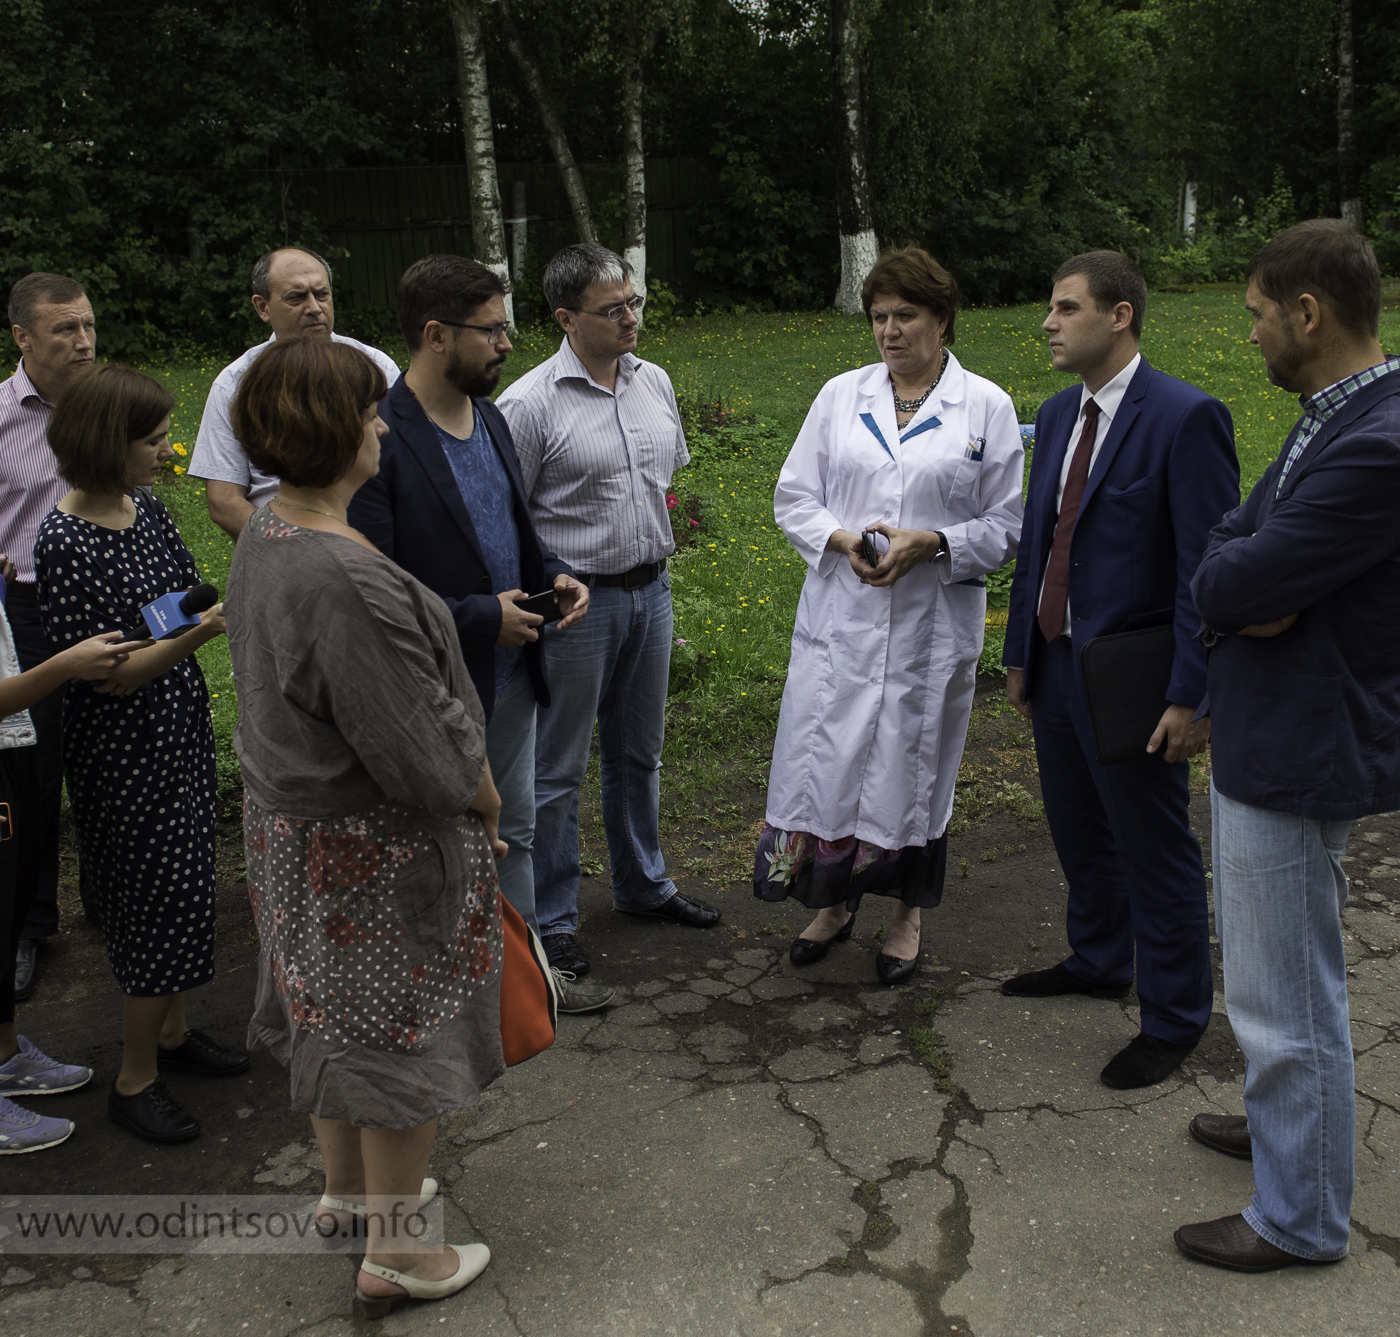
(173, 614)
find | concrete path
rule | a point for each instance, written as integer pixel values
(738, 1150)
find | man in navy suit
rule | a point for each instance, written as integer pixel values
(1132, 469)
(448, 505)
(1300, 591)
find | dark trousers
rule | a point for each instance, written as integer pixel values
(1133, 865)
(19, 797)
(32, 646)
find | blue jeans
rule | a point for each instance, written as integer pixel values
(1279, 892)
(510, 748)
(614, 666)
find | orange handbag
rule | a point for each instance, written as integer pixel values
(529, 997)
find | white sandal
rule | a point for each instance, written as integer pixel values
(472, 1260)
(426, 1194)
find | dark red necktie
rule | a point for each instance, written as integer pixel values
(1054, 595)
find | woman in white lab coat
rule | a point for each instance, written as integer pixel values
(923, 460)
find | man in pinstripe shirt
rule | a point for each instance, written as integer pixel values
(51, 322)
(598, 436)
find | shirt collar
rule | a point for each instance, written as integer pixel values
(1109, 397)
(568, 364)
(1327, 401)
(26, 388)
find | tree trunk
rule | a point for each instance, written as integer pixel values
(855, 220)
(553, 127)
(1346, 117)
(1188, 209)
(488, 226)
(634, 228)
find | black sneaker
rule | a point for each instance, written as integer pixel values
(202, 1056)
(564, 953)
(153, 1114)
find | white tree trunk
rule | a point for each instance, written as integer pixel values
(1348, 176)
(488, 225)
(634, 231)
(854, 216)
(1188, 210)
(858, 256)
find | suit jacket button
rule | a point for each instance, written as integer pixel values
(486, 584)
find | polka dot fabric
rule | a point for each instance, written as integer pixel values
(140, 768)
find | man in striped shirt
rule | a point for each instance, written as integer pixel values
(598, 436)
(292, 294)
(51, 321)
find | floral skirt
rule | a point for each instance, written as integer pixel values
(379, 968)
(822, 873)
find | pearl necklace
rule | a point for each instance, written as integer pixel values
(914, 405)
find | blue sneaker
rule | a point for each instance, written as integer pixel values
(22, 1130)
(31, 1072)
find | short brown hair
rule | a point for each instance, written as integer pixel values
(913, 274)
(1111, 278)
(299, 409)
(100, 413)
(443, 287)
(35, 290)
(1328, 258)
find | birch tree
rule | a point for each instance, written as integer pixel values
(488, 223)
(1346, 117)
(645, 27)
(854, 217)
(553, 126)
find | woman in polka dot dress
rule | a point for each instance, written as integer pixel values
(370, 818)
(138, 749)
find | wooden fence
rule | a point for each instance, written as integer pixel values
(388, 217)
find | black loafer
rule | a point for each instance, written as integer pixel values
(26, 958)
(1056, 981)
(807, 951)
(153, 1114)
(203, 1057)
(564, 953)
(1143, 1061)
(1223, 1132)
(1231, 1242)
(684, 910)
(894, 969)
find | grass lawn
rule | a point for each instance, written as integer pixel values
(737, 580)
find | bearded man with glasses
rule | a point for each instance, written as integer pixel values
(599, 436)
(449, 506)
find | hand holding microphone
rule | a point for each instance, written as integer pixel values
(174, 614)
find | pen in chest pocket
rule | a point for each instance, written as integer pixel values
(975, 448)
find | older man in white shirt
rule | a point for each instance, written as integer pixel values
(292, 294)
(598, 435)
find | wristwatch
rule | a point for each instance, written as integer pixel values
(942, 547)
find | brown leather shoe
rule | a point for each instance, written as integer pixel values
(1223, 1132)
(1231, 1242)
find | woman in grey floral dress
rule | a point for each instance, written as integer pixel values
(370, 818)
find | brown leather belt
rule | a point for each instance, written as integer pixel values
(628, 580)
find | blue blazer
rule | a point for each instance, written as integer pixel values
(1308, 722)
(413, 512)
(1165, 475)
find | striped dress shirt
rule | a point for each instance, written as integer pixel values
(1322, 406)
(597, 462)
(29, 483)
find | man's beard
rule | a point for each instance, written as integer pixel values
(478, 382)
(1283, 369)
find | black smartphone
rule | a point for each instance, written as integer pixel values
(544, 605)
(868, 548)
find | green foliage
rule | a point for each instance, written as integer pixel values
(1220, 250)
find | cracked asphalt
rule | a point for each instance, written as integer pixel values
(738, 1149)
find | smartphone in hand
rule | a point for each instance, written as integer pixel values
(870, 547)
(544, 605)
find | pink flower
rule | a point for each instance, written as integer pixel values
(680, 642)
(672, 501)
(695, 524)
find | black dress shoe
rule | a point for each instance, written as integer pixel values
(153, 1114)
(895, 970)
(1231, 1242)
(1056, 981)
(564, 953)
(26, 957)
(1144, 1061)
(202, 1056)
(1223, 1132)
(684, 910)
(807, 951)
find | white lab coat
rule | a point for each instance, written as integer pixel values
(880, 682)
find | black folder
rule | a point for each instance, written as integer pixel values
(1126, 677)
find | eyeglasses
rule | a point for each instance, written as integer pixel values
(492, 332)
(614, 313)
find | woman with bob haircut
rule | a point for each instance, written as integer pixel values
(138, 749)
(370, 819)
(902, 491)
